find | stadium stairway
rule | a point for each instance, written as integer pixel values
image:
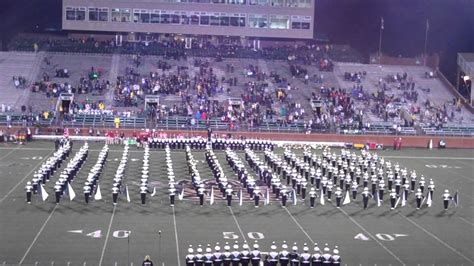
(114, 69)
(33, 73)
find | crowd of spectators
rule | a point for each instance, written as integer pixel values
(131, 88)
(174, 48)
(27, 118)
(396, 96)
(90, 83)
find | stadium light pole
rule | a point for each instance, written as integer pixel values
(128, 247)
(380, 38)
(426, 41)
(159, 245)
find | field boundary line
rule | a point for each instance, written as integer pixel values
(107, 236)
(37, 235)
(435, 237)
(10, 152)
(27, 175)
(427, 157)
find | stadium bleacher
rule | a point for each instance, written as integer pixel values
(17, 120)
(449, 130)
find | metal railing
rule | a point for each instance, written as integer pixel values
(183, 123)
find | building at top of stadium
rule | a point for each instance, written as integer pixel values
(138, 19)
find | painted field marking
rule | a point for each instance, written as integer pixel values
(176, 237)
(38, 234)
(373, 237)
(106, 237)
(90, 150)
(10, 152)
(95, 234)
(442, 166)
(381, 236)
(430, 158)
(399, 235)
(237, 223)
(453, 189)
(466, 221)
(34, 158)
(451, 171)
(299, 225)
(362, 237)
(251, 235)
(75, 231)
(26, 176)
(435, 237)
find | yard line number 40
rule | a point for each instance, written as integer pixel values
(383, 237)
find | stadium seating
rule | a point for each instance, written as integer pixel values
(449, 130)
(91, 120)
(17, 121)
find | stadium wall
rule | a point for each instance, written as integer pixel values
(119, 17)
(431, 61)
(386, 140)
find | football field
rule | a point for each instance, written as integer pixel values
(99, 233)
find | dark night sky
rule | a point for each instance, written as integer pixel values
(353, 22)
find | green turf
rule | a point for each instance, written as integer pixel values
(432, 236)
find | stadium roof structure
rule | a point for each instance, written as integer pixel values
(466, 62)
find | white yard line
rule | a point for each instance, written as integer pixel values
(374, 238)
(437, 238)
(238, 225)
(10, 152)
(299, 225)
(456, 173)
(95, 150)
(25, 148)
(176, 237)
(466, 221)
(466, 163)
(107, 237)
(37, 235)
(26, 176)
(428, 157)
(452, 188)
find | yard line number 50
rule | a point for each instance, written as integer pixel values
(251, 235)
